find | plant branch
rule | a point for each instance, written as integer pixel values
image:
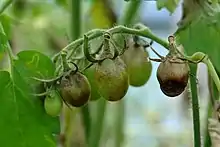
(195, 107)
(197, 57)
(75, 19)
(95, 33)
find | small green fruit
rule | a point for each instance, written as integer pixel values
(139, 67)
(90, 74)
(53, 103)
(112, 79)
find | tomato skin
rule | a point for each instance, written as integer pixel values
(112, 79)
(53, 103)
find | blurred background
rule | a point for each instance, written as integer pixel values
(147, 117)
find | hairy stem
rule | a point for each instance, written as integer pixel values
(195, 108)
(212, 72)
(202, 57)
(119, 124)
(120, 29)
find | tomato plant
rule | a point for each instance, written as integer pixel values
(86, 72)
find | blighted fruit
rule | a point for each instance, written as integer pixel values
(89, 73)
(53, 103)
(112, 79)
(139, 67)
(75, 89)
(173, 75)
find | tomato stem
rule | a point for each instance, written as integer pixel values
(195, 107)
(202, 57)
(120, 29)
(86, 50)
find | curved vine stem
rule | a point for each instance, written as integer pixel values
(202, 57)
(120, 29)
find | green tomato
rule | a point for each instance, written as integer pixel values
(53, 103)
(112, 79)
(139, 67)
(89, 73)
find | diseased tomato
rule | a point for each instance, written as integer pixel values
(112, 79)
(75, 89)
(173, 75)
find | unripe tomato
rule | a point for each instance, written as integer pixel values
(53, 103)
(112, 79)
(139, 67)
(90, 74)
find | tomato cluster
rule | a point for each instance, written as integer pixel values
(109, 71)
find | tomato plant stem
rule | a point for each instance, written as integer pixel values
(202, 57)
(120, 29)
(212, 72)
(195, 107)
(75, 19)
(119, 123)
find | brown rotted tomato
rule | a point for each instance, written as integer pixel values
(173, 75)
(112, 79)
(75, 89)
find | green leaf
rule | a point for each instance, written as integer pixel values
(6, 23)
(170, 5)
(24, 122)
(202, 35)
